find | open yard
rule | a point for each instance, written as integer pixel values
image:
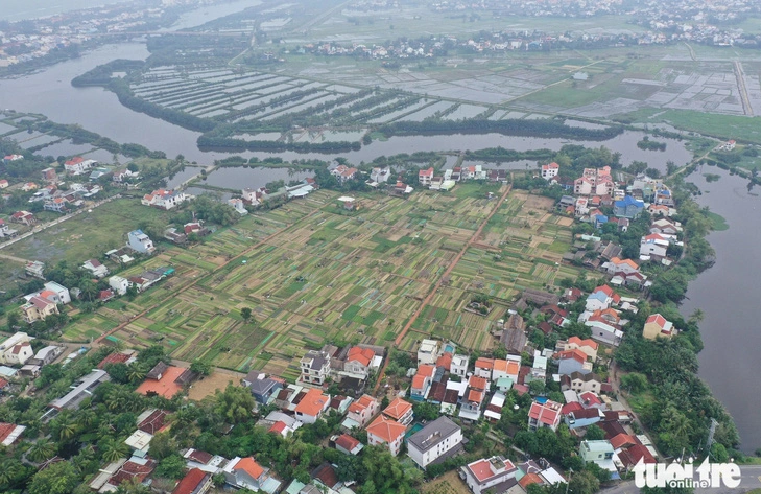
(87, 235)
(217, 380)
(449, 483)
(312, 275)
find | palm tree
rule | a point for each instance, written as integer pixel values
(41, 451)
(136, 373)
(65, 427)
(87, 419)
(113, 450)
(85, 456)
(9, 470)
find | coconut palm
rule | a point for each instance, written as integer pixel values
(9, 470)
(87, 419)
(65, 427)
(113, 450)
(41, 451)
(136, 373)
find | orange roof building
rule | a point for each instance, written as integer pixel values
(312, 406)
(363, 356)
(399, 410)
(386, 431)
(166, 386)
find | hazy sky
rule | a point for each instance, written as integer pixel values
(16, 10)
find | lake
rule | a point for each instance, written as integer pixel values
(728, 294)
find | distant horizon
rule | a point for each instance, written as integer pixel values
(19, 10)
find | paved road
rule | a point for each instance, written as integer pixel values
(740, 75)
(750, 479)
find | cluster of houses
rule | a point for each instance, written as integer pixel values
(451, 176)
(163, 380)
(444, 377)
(18, 359)
(40, 305)
(257, 197)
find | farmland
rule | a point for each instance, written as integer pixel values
(313, 273)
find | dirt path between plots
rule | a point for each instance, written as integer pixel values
(432, 293)
(193, 283)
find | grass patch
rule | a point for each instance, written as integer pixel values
(351, 312)
(718, 222)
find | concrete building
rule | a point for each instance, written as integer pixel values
(428, 352)
(315, 367)
(16, 350)
(140, 242)
(484, 474)
(436, 440)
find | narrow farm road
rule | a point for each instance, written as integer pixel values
(435, 285)
(193, 283)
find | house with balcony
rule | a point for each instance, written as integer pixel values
(399, 410)
(544, 414)
(38, 308)
(361, 411)
(550, 170)
(428, 352)
(459, 365)
(485, 474)
(315, 367)
(383, 430)
(140, 242)
(439, 439)
(164, 199)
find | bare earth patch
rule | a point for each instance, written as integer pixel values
(219, 379)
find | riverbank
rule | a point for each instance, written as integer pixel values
(726, 293)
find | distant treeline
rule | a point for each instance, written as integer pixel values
(516, 127)
(502, 154)
(206, 142)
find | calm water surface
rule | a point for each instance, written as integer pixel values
(729, 329)
(728, 293)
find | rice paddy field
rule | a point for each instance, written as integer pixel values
(314, 273)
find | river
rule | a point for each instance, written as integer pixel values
(728, 339)
(728, 294)
(17, 10)
(99, 110)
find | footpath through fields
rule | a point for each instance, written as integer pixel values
(435, 285)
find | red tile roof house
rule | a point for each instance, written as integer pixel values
(399, 410)
(312, 406)
(134, 470)
(386, 431)
(363, 409)
(486, 473)
(547, 414)
(195, 482)
(359, 361)
(421, 382)
(10, 433)
(425, 176)
(113, 358)
(348, 445)
(247, 473)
